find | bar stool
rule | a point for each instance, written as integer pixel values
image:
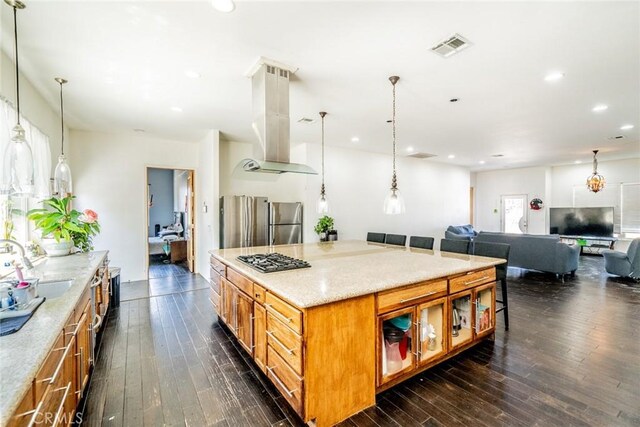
(456, 246)
(396, 239)
(497, 250)
(376, 237)
(421, 242)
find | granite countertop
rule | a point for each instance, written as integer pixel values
(22, 353)
(346, 269)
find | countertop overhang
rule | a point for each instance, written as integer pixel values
(346, 269)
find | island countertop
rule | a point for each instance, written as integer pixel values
(345, 269)
(22, 353)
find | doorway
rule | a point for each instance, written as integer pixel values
(170, 225)
(513, 217)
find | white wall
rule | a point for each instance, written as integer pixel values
(207, 194)
(491, 185)
(357, 182)
(554, 185)
(109, 172)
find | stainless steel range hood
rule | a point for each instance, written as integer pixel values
(270, 93)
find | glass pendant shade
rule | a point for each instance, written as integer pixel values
(394, 202)
(62, 181)
(18, 166)
(323, 205)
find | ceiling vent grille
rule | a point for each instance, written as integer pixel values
(451, 45)
(421, 155)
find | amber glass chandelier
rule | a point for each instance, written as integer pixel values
(595, 181)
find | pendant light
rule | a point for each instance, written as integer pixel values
(394, 203)
(323, 204)
(595, 181)
(17, 179)
(62, 182)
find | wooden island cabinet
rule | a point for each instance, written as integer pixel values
(330, 359)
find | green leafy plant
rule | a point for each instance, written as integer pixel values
(63, 223)
(324, 225)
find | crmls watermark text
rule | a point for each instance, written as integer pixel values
(65, 418)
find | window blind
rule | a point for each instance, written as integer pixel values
(630, 207)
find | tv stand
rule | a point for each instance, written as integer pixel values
(591, 244)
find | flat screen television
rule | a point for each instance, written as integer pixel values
(595, 222)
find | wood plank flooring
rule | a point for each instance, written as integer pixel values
(571, 357)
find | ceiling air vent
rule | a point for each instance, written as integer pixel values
(306, 120)
(451, 45)
(421, 155)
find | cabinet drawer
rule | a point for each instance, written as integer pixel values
(244, 284)
(259, 293)
(215, 280)
(52, 407)
(285, 342)
(290, 316)
(218, 266)
(214, 297)
(471, 279)
(53, 361)
(285, 380)
(396, 298)
(84, 300)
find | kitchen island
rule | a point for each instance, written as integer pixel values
(361, 319)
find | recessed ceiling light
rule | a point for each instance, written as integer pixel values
(355, 139)
(553, 77)
(225, 6)
(410, 149)
(192, 74)
(482, 162)
(176, 109)
(454, 100)
(599, 108)
(626, 127)
(577, 162)
(451, 156)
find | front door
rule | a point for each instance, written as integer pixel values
(513, 218)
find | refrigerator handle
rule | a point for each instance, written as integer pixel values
(272, 235)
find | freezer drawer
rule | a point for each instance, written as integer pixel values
(285, 234)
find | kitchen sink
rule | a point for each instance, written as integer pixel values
(55, 289)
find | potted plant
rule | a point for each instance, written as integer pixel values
(63, 228)
(323, 227)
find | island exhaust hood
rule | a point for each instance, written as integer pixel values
(270, 93)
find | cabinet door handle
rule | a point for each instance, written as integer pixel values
(56, 420)
(52, 379)
(280, 315)
(476, 281)
(279, 381)
(251, 332)
(33, 413)
(81, 374)
(284, 347)
(402, 301)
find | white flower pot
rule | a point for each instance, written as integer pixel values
(53, 248)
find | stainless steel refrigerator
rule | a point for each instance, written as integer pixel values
(285, 223)
(243, 221)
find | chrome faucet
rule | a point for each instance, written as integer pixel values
(23, 256)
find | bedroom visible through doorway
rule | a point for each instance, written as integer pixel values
(170, 222)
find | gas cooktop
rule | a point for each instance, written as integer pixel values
(269, 263)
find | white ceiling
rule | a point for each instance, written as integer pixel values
(126, 65)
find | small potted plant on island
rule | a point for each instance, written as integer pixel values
(324, 229)
(63, 228)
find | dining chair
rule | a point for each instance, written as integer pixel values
(497, 250)
(376, 237)
(396, 239)
(456, 246)
(421, 242)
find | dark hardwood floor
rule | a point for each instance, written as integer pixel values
(571, 357)
(158, 268)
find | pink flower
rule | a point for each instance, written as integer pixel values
(88, 216)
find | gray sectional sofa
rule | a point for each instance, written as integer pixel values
(536, 252)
